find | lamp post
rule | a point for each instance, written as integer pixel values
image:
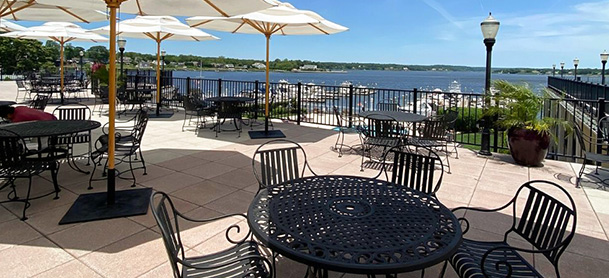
(562, 68)
(553, 69)
(121, 47)
(604, 57)
(489, 28)
(163, 53)
(82, 69)
(575, 64)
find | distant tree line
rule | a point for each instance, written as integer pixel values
(22, 56)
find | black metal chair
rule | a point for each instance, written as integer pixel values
(592, 149)
(198, 110)
(14, 164)
(243, 259)
(279, 162)
(342, 130)
(416, 168)
(127, 148)
(231, 111)
(379, 132)
(74, 112)
(23, 87)
(40, 101)
(544, 221)
(435, 133)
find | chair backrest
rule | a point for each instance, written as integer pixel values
(381, 126)
(72, 112)
(165, 214)
(544, 220)
(278, 162)
(603, 128)
(387, 106)
(417, 168)
(434, 128)
(189, 104)
(339, 118)
(450, 119)
(39, 102)
(12, 149)
(141, 121)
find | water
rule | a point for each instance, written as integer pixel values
(471, 82)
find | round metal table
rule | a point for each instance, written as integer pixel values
(354, 225)
(7, 102)
(393, 115)
(35, 129)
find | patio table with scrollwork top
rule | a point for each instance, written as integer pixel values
(354, 225)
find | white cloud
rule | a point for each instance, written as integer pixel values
(443, 12)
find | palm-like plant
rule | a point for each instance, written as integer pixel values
(518, 107)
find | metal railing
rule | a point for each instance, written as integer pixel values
(311, 103)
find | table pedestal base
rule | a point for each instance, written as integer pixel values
(261, 134)
(94, 206)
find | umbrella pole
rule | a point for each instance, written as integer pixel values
(266, 95)
(61, 69)
(158, 77)
(111, 192)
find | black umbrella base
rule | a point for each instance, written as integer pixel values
(92, 207)
(261, 134)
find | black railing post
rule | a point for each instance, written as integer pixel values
(299, 103)
(350, 105)
(256, 99)
(219, 87)
(599, 138)
(187, 88)
(414, 110)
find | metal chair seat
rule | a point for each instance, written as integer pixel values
(598, 157)
(423, 142)
(382, 141)
(231, 262)
(26, 169)
(468, 258)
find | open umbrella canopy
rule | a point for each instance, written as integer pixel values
(7, 26)
(283, 19)
(174, 7)
(61, 32)
(33, 10)
(157, 28)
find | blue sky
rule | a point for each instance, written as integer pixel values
(533, 33)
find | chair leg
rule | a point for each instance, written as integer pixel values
(54, 172)
(143, 162)
(93, 172)
(26, 203)
(131, 170)
(443, 271)
(337, 146)
(579, 176)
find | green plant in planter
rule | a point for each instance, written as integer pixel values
(518, 109)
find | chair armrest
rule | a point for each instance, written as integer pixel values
(464, 220)
(506, 263)
(228, 230)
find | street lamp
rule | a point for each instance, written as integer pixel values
(82, 69)
(489, 27)
(575, 64)
(121, 47)
(553, 69)
(604, 57)
(562, 68)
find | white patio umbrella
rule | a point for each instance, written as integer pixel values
(61, 32)
(33, 10)
(172, 7)
(109, 207)
(7, 26)
(159, 29)
(283, 19)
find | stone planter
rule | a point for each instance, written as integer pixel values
(528, 147)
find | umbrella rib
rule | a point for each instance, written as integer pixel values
(168, 35)
(13, 11)
(150, 36)
(216, 8)
(255, 25)
(277, 27)
(201, 23)
(139, 7)
(320, 30)
(73, 14)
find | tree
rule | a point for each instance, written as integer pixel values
(19, 56)
(98, 54)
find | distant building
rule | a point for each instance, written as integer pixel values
(258, 66)
(308, 67)
(229, 66)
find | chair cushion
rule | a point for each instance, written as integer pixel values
(468, 258)
(244, 268)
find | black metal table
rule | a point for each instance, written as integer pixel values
(37, 129)
(7, 102)
(229, 108)
(354, 225)
(393, 115)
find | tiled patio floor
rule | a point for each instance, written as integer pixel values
(208, 176)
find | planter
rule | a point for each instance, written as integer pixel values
(528, 147)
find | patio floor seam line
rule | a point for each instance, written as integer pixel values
(594, 211)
